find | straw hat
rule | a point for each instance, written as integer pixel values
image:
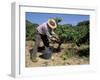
(52, 23)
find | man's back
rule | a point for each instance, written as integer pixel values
(42, 28)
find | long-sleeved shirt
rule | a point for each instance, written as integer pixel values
(43, 29)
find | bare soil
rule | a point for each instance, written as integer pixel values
(56, 59)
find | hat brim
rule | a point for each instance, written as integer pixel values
(51, 26)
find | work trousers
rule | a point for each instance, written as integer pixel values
(38, 38)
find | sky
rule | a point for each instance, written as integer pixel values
(40, 18)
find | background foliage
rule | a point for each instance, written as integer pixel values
(78, 34)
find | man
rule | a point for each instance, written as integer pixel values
(45, 32)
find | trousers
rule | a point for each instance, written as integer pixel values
(38, 38)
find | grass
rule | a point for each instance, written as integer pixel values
(79, 51)
(68, 54)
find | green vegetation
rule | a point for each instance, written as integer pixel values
(30, 30)
(67, 54)
(77, 35)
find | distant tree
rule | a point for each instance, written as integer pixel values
(58, 19)
(83, 23)
(30, 30)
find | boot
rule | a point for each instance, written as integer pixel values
(34, 59)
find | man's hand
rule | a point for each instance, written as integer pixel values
(55, 38)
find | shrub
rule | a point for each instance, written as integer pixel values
(30, 30)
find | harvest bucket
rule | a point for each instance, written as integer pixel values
(47, 54)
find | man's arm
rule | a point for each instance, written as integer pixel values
(53, 36)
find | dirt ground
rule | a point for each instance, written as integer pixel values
(56, 60)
